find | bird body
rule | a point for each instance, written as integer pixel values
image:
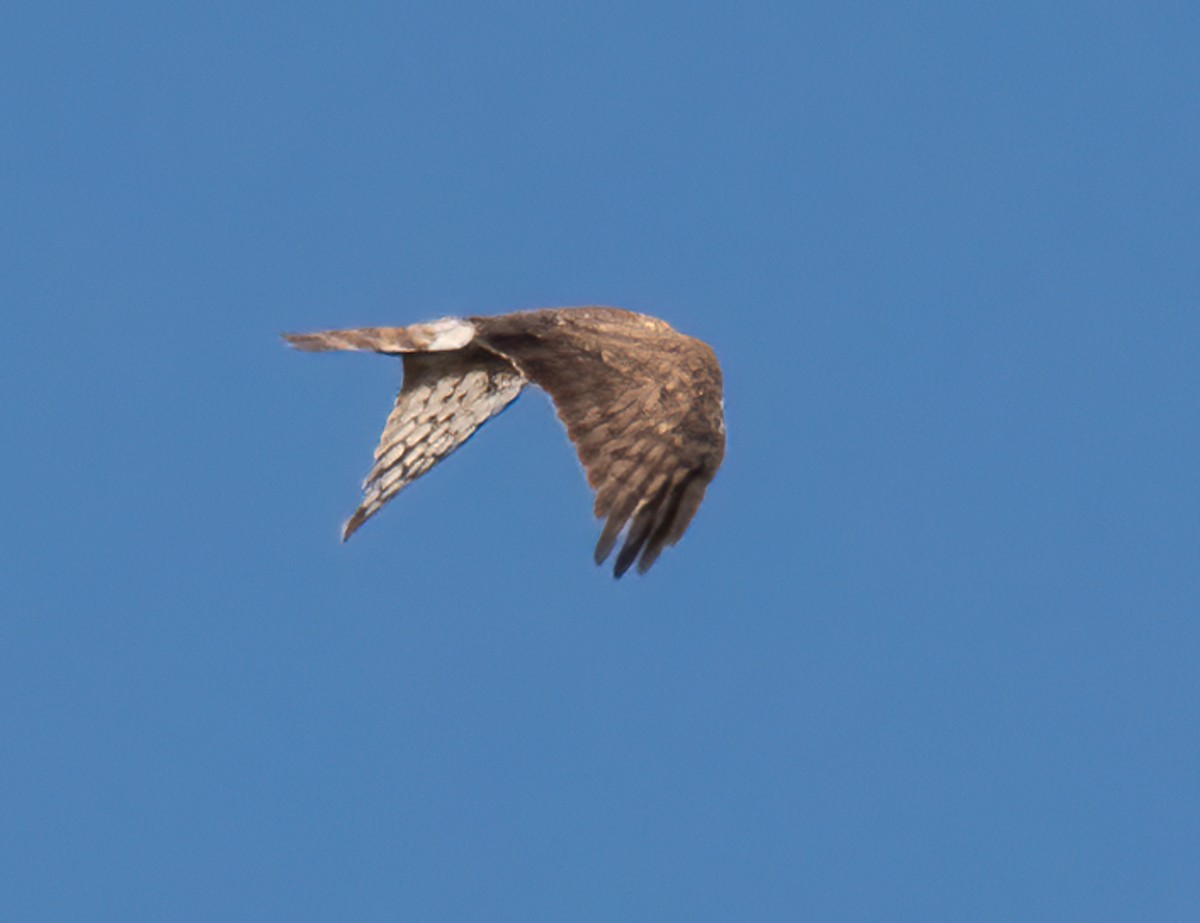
(640, 401)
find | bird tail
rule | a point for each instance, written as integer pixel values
(449, 333)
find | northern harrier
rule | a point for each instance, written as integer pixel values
(641, 402)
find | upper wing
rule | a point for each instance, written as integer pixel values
(641, 402)
(445, 397)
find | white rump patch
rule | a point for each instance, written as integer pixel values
(443, 335)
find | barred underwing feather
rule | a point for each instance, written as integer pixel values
(445, 397)
(641, 402)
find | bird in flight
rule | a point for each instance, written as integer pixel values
(641, 402)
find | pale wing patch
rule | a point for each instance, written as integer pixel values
(447, 333)
(445, 398)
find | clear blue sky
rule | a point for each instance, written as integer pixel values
(930, 649)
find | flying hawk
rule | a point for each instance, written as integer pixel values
(641, 402)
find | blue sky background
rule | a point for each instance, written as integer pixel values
(930, 648)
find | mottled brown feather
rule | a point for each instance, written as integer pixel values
(641, 403)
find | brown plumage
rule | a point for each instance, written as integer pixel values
(641, 402)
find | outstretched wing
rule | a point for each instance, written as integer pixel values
(451, 387)
(445, 397)
(641, 402)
